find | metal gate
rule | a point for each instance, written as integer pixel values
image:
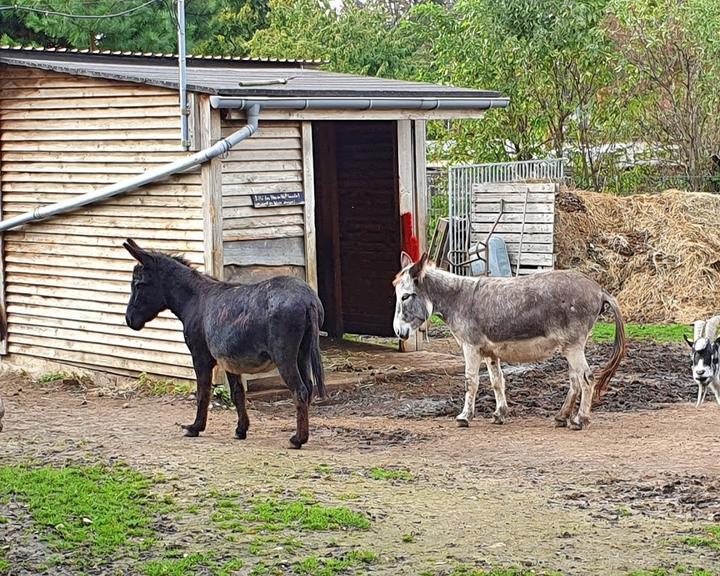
(461, 180)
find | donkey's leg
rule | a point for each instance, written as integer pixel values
(581, 374)
(237, 391)
(715, 387)
(567, 411)
(292, 378)
(203, 364)
(497, 381)
(472, 380)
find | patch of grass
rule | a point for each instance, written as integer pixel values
(324, 469)
(660, 333)
(464, 570)
(4, 566)
(435, 320)
(230, 567)
(408, 538)
(623, 512)
(317, 566)
(349, 496)
(190, 565)
(176, 566)
(148, 385)
(710, 539)
(53, 377)
(390, 474)
(262, 569)
(677, 571)
(263, 545)
(91, 510)
(303, 514)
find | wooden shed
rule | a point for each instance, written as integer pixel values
(329, 188)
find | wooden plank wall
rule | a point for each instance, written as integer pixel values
(68, 278)
(259, 243)
(537, 238)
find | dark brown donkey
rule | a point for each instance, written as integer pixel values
(242, 329)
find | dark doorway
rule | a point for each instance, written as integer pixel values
(357, 219)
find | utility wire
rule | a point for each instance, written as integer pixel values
(80, 16)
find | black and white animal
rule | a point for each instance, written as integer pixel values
(706, 358)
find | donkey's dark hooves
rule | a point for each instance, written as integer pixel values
(295, 443)
(560, 423)
(578, 424)
(190, 432)
(498, 419)
(241, 434)
(462, 422)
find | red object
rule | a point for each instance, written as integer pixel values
(409, 240)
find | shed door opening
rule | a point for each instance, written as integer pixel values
(358, 224)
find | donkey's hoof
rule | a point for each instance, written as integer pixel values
(190, 431)
(295, 442)
(561, 422)
(579, 423)
(240, 434)
(462, 422)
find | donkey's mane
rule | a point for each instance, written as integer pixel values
(162, 256)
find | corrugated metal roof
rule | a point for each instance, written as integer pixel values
(230, 77)
(158, 55)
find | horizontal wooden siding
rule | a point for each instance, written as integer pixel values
(259, 243)
(68, 278)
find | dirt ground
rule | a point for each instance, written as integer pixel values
(617, 497)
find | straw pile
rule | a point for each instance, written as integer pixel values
(658, 254)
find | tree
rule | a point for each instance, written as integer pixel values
(670, 50)
(352, 38)
(150, 29)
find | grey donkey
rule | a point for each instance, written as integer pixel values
(523, 319)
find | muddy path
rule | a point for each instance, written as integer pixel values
(618, 497)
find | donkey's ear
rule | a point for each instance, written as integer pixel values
(136, 252)
(417, 272)
(405, 260)
(689, 342)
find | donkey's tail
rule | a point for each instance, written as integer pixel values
(318, 374)
(602, 383)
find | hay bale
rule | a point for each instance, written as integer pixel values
(659, 254)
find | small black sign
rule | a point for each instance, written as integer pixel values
(278, 199)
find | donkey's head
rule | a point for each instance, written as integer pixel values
(412, 306)
(147, 298)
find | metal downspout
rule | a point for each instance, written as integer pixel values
(182, 70)
(220, 147)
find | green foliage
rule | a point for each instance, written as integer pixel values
(390, 474)
(710, 539)
(93, 511)
(663, 333)
(305, 515)
(216, 25)
(53, 377)
(317, 566)
(146, 384)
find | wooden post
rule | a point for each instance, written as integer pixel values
(408, 200)
(309, 190)
(210, 131)
(211, 173)
(3, 304)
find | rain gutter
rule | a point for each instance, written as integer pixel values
(353, 103)
(220, 147)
